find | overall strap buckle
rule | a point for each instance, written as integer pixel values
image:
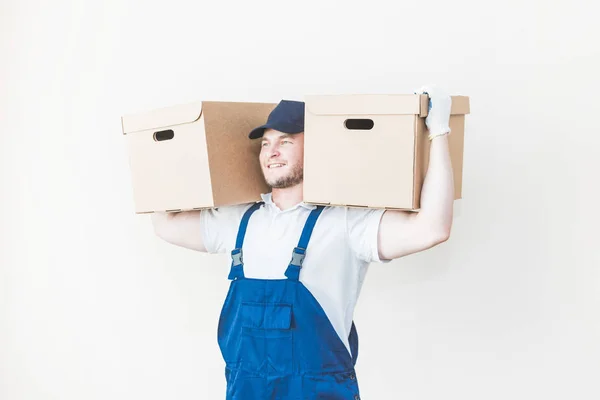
(237, 264)
(293, 269)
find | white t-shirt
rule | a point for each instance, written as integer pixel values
(343, 243)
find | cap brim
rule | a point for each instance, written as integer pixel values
(281, 127)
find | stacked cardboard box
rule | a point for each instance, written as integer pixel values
(372, 150)
(195, 156)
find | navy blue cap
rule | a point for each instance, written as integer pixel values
(287, 117)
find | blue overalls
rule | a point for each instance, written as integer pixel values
(275, 338)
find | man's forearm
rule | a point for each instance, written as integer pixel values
(179, 228)
(437, 194)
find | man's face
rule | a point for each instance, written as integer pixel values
(282, 158)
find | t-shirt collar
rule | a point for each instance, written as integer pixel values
(268, 199)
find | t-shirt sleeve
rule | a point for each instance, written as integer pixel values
(219, 227)
(362, 228)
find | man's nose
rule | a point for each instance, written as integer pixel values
(274, 153)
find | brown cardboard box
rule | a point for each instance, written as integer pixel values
(195, 155)
(372, 150)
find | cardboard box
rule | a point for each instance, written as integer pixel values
(372, 150)
(195, 156)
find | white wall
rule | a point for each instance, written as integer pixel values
(93, 306)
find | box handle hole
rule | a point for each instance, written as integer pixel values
(359, 124)
(164, 135)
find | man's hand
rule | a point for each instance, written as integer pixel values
(438, 116)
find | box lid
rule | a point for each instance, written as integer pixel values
(378, 104)
(162, 117)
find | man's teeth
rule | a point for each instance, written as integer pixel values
(275, 165)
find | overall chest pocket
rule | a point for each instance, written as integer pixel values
(267, 338)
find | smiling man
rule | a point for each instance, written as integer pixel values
(286, 329)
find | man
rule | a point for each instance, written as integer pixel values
(286, 330)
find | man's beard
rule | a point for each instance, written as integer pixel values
(295, 177)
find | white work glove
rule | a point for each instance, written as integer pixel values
(438, 116)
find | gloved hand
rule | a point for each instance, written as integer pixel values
(438, 116)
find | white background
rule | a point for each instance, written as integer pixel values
(94, 306)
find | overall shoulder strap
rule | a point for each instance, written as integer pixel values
(293, 269)
(237, 263)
